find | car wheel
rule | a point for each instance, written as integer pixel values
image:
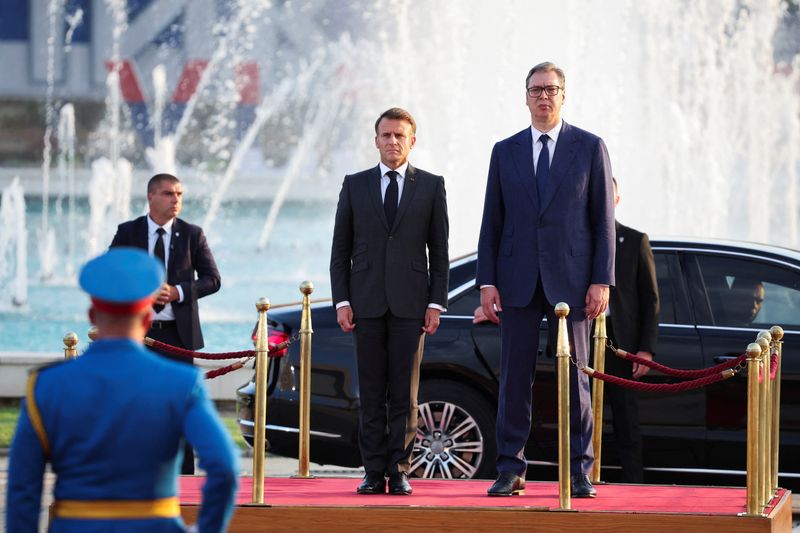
(455, 433)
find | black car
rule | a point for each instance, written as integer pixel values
(700, 431)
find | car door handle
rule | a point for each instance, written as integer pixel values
(723, 358)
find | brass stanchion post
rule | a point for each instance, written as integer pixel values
(763, 421)
(92, 334)
(305, 381)
(777, 335)
(753, 353)
(562, 357)
(70, 345)
(597, 394)
(260, 419)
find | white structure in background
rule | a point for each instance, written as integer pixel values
(13, 248)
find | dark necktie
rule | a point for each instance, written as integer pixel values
(158, 253)
(543, 167)
(390, 198)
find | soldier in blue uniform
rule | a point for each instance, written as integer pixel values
(111, 422)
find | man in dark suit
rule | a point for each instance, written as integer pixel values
(191, 270)
(389, 273)
(547, 236)
(633, 326)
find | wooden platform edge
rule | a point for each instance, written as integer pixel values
(248, 518)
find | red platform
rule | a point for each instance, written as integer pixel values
(446, 505)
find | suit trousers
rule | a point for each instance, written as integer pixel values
(169, 335)
(625, 416)
(388, 353)
(519, 339)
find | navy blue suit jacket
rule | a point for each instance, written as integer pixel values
(191, 266)
(566, 237)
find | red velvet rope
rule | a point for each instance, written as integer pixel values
(211, 374)
(158, 345)
(685, 374)
(660, 387)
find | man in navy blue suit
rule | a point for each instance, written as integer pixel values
(547, 236)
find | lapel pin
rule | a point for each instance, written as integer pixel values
(177, 233)
(622, 239)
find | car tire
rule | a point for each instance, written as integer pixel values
(455, 433)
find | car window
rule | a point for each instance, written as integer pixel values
(666, 293)
(462, 273)
(672, 294)
(747, 293)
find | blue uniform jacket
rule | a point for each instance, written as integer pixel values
(114, 419)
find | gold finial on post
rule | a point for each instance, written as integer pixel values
(777, 346)
(70, 345)
(260, 419)
(92, 334)
(600, 337)
(562, 357)
(753, 496)
(304, 453)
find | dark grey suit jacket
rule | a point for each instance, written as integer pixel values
(401, 269)
(634, 299)
(191, 266)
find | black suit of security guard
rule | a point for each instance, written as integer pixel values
(191, 266)
(389, 284)
(632, 326)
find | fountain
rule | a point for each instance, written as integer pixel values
(700, 114)
(13, 248)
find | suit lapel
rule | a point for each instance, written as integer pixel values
(409, 188)
(523, 158)
(374, 184)
(177, 243)
(566, 148)
(140, 235)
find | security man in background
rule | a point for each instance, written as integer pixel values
(111, 422)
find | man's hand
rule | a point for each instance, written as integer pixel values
(641, 370)
(344, 316)
(490, 300)
(166, 294)
(431, 320)
(596, 300)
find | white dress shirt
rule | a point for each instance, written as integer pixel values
(551, 144)
(152, 236)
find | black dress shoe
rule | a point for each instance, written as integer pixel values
(582, 487)
(374, 483)
(398, 484)
(507, 484)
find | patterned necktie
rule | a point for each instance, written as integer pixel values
(390, 198)
(158, 253)
(543, 167)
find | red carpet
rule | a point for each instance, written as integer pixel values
(335, 492)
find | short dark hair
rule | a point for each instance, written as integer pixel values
(397, 113)
(156, 180)
(547, 66)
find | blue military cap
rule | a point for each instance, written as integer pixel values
(122, 280)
